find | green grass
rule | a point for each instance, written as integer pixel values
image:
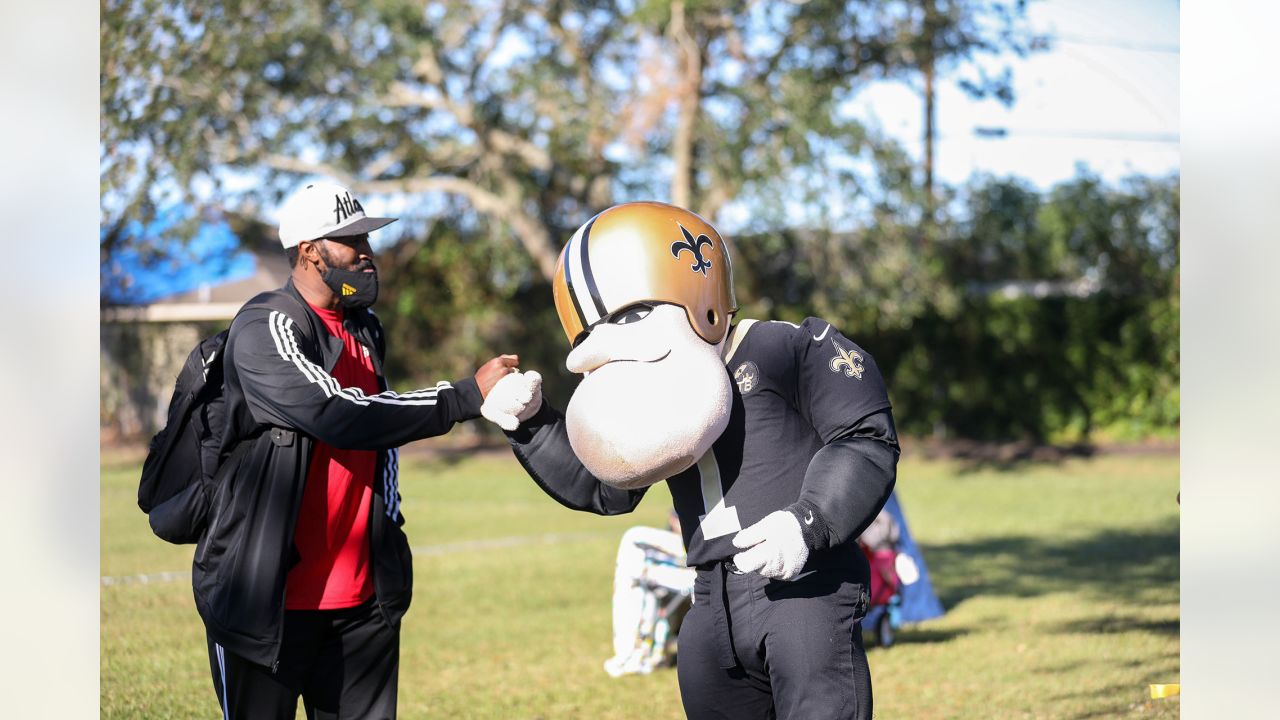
(1060, 580)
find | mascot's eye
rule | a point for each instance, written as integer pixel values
(630, 314)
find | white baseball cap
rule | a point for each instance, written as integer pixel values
(324, 210)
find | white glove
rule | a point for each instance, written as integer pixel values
(775, 547)
(513, 399)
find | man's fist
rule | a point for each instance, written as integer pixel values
(774, 547)
(491, 372)
(514, 399)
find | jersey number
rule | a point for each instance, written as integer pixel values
(719, 519)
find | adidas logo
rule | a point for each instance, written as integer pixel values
(347, 290)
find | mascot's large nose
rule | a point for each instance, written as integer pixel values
(647, 340)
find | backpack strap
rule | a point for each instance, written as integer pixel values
(286, 301)
(283, 300)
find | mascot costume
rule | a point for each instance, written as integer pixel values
(775, 439)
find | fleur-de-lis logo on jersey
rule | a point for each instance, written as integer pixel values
(850, 360)
(694, 246)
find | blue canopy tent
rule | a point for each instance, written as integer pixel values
(916, 600)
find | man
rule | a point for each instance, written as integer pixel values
(775, 463)
(304, 573)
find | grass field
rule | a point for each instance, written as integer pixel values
(1060, 581)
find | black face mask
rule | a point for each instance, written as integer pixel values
(355, 288)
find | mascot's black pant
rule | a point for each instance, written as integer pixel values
(793, 650)
(344, 664)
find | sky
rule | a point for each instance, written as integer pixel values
(1105, 94)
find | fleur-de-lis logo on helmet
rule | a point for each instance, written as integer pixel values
(694, 246)
(849, 360)
(625, 255)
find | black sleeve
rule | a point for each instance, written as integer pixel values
(839, 390)
(541, 444)
(284, 387)
(847, 483)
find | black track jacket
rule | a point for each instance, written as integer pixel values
(280, 398)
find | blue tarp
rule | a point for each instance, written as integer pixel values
(213, 256)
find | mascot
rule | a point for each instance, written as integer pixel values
(776, 441)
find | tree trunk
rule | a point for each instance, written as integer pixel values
(928, 69)
(689, 100)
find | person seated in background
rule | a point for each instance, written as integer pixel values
(652, 589)
(880, 544)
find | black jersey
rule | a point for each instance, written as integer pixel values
(796, 388)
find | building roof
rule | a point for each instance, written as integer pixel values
(205, 278)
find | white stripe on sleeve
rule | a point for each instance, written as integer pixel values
(286, 342)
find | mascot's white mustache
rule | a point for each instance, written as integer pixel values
(654, 399)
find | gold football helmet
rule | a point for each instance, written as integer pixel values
(642, 252)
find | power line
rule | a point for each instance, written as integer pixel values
(1000, 133)
(1118, 44)
(1119, 80)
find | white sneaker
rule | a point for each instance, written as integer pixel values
(630, 665)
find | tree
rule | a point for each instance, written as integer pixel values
(501, 105)
(516, 112)
(499, 126)
(1070, 320)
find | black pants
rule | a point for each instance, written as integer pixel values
(344, 664)
(794, 651)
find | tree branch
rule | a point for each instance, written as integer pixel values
(506, 143)
(530, 231)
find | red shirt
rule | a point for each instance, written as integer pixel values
(332, 533)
